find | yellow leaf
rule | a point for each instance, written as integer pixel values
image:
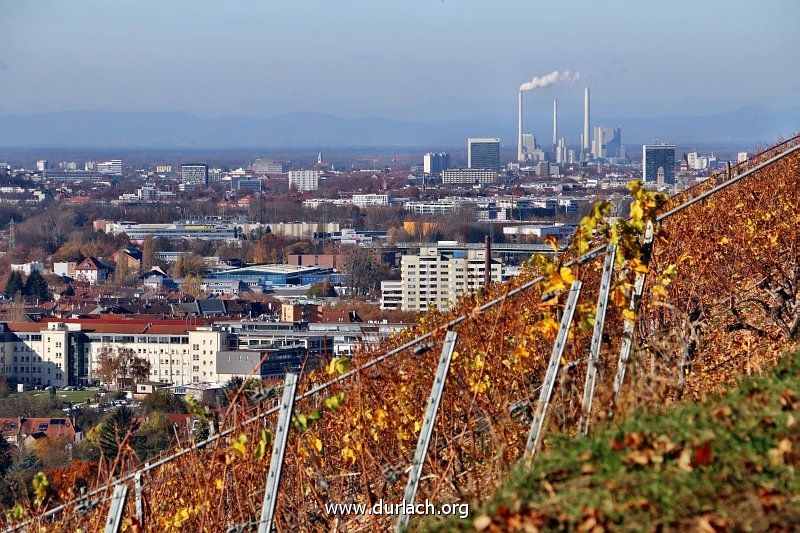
(318, 445)
(348, 455)
(628, 315)
(637, 266)
(659, 292)
(219, 484)
(566, 274)
(637, 213)
(417, 425)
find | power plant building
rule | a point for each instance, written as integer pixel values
(483, 153)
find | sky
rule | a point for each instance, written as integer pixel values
(409, 59)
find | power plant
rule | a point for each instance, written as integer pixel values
(525, 149)
(585, 138)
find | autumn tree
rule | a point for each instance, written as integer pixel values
(121, 367)
(148, 252)
(188, 265)
(192, 285)
(362, 269)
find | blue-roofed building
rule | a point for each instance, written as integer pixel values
(262, 277)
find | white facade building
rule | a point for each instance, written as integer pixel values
(304, 180)
(433, 279)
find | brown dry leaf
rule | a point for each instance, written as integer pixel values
(722, 413)
(702, 455)
(585, 456)
(788, 400)
(587, 469)
(709, 524)
(615, 445)
(633, 440)
(638, 457)
(770, 499)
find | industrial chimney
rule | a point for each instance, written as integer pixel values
(585, 147)
(520, 155)
(555, 122)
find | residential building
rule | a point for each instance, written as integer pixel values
(304, 180)
(300, 312)
(65, 269)
(112, 167)
(434, 278)
(483, 153)
(27, 268)
(370, 200)
(91, 270)
(267, 166)
(163, 169)
(194, 174)
(391, 295)
(658, 158)
(469, 176)
(434, 163)
(130, 256)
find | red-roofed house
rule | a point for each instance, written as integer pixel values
(91, 270)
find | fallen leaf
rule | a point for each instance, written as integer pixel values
(702, 455)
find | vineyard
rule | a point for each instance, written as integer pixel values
(692, 298)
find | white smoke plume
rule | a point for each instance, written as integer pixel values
(539, 82)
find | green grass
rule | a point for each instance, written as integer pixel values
(655, 471)
(76, 396)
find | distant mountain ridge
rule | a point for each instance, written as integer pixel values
(106, 129)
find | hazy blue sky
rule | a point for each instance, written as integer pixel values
(414, 59)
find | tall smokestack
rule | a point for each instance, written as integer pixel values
(555, 122)
(520, 157)
(585, 146)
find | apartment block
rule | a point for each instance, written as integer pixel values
(435, 278)
(304, 180)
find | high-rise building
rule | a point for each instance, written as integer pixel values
(112, 167)
(741, 157)
(483, 153)
(304, 180)
(437, 279)
(194, 174)
(658, 158)
(434, 163)
(41, 165)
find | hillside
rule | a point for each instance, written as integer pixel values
(728, 462)
(721, 300)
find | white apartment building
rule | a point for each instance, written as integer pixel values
(370, 200)
(27, 268)
(304, 180)
(434, 279)
(391, 295)
(110, 167)
(66, 352)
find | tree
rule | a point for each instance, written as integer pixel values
(188, 265)
(118, 426)
(322, 289)
(191, 285)
(69, 291)
(36, 287)
(122, 368)
(6, 457)
(148, 253)
(14, 284)
(163, 401)
(362, 270)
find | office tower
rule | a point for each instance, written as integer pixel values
(194, 174)
(113, 167)
(585, 139)
(483, 152)
(597, 142)
(555, 121)
(741, 157)
(41, 165)
(304, 180)
(434, 163)
(658, 158)
(89, 166)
